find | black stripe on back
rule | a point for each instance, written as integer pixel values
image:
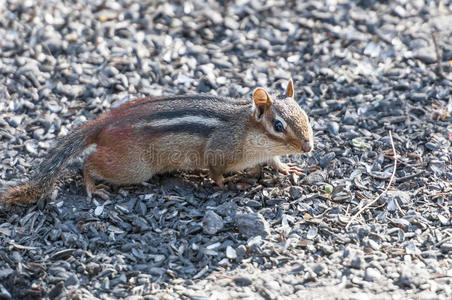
(238, 102)
(190, 128)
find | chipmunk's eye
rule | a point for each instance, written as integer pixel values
(278, 126)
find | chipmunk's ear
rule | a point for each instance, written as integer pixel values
(262, 102)
(289, 90)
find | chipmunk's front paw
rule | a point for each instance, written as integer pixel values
(287, 169)
(291, 169)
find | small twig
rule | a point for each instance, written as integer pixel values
(439, 68)
(401, 179)
(387, 188)
(322, 214)
(443, 241)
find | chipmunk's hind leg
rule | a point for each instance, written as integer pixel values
(90, 186)
(115, 165)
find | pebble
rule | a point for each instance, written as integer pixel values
(227, 209)
(315, 177)
(212, 223)
(4, 273)
(71, 281)
(446, 247)
(296, 192)
(252, 224)
(432, 146)
(372, 275)
(416, 96)
(242, 281)
(357, 262)
(333, 128)
(231, 253)
(15, 121)
(312, 232)
(403, 198)
(31, 146)
(326, 159)
(4, 293)
(406, 278)
(320, 269)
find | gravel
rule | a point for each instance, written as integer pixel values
(360, 69)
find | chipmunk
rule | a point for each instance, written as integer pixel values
(148, 136)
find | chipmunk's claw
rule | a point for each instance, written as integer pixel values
(99, 192)
(103, 194)
(287, 169)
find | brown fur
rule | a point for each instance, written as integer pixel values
(26, 193)
(153, 135)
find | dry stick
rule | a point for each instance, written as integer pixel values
(401, 179)
(379, 196)
(439, 69)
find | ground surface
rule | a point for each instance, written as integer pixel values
(361, 69)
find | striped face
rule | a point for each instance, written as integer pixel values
(284, 126)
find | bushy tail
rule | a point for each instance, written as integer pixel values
(67, 148)
(29, 192)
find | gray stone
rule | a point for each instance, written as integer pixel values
(227, 209)
(372, 274)
(4, 273)
(326, 159)
(252, 224)
(333, 128)
(446, 247)
(320, 269)
(406, 278)
(242, 281)
(296, 192)
(402, 197)
(71, 281)
(4, 293)
(357, 262)
(212, 223)
(425, 54)
(241, 251)
(315, 177)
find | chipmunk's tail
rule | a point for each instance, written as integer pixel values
(29, 192)
(67, 148)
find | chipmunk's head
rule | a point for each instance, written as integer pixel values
(284, 127)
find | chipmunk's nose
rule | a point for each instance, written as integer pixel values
(307, 147)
